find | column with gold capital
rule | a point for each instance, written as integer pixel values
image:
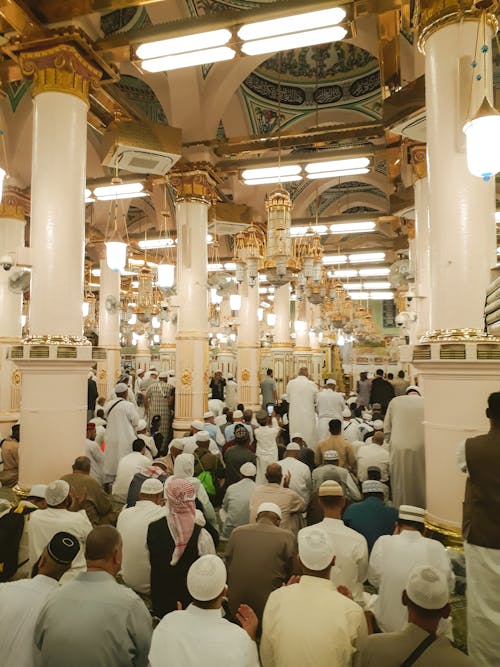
(55, 358)
(12, 223)
(195, 191)
(281, 348)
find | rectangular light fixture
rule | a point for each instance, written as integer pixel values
(290, 24)
(181, 60)
(230, 266)
(88, 196)
(215, 267)
(345, 273)
(353, 286)
(153, 244)
(367, 257)
(383, 284)
(289, 172)
(352, 227)
(337, 165)
(185, 44)
(356, 296)
(497, 216)
(328, 260)
(383, 296)
(140, 262)
(120, 191)
(296, 39)
(338, 174)
(273, 179)
(302, 231)
(374, 273)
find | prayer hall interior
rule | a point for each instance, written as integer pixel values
(249, 333)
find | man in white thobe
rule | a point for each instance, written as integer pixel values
(404, 430)
(123, 419)
(235, 509)
(373, 454)
(300, 474)
(330, 404)
(392, 559)
(302, 394)
(230, 393)
(21, 601)
(128, 466)
(199, 635)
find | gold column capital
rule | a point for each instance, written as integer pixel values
(418, 159)
(430, 15)
(195, 181)
(60, 69)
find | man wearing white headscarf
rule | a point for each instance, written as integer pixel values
(199, 635)
(404, 430)
(302, 393)
(184, 469)
(122, 418)
(330, 404)
(174, 543)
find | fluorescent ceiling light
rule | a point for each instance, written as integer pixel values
(302, 231)
(131, 189)
(295, 40)
(337, 165)
(359, 295)
(152, 244)
(96, 272)
(334, 259)
(273, 179)
(175, 45)
(365, 273)
(352, 227)
(338, 174)
(345, 273)
(215, 267)
(383, 284)
(497, 216)
(354, 286)
(181, 60)
(88, 196)
(270, 172)
(230, 266)
(133, 195)
(367, 257)
(289, 24)
(140, 262)
(384, 296)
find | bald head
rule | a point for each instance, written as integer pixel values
(102, 547)
(274, 473)
(82, 465)
(378, 437)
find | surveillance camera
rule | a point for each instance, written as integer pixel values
(6, 261)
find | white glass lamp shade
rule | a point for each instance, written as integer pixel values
(307, 267)
(85, 308)
(340, 339)
(300, 326)
(155, 323)
(116, 255)
(235, 301)
(483, 142)
(260, 314)
(271, 319)
(3, 174)
(166, 275)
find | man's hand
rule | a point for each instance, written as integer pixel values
(294, 579)
(248, 620)
(286, 480)
(77, 501)
(343, 590)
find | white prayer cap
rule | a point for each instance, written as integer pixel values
(152, 368)
(330, 488)
(293, 447)
(237, 414)
(141, 425)
(202, 436)
(411, 513)
(5, 507)
(208, 414)
(346, 413)
(120, 388)
(331, 381)
(248, 469)
(269, 507)
(198, 425)
(427, 587)
(378, 425)
(351, 400)
(206, 578)
(315, 548)
(230, 376)
(284, 397)
(366, 415)
(372, 486)
(178, 443)
(38, 491)
(331, 455)
(411, 388)
(171, 374)
(151, 487)
(163, 375)
(297, 435)
(153, 371)
(141, 371)
(57, 492)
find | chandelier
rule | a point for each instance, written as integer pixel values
(280, 265)
(248, 254)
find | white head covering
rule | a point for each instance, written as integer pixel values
(198, 425)
(331, 381)
(269, 507)
(378, 425)
(163, 375)
(230, 376)
(5, 507)
(202, 436)
(373, 486)
(293, 447)
(208, 414)
(411, 513)
(57, 492)
(178, 443)
(330, 488)
(346, 413)
(120, 388)
(351, 400)
(141, 425)
(248, 469)
(427, 587)
(284, 397)
(38, 490)
(413, 387)
(296, 435)
(237, 414)
(315, 549)
(184, 466)
(331, 455)
(206, 578)
(151, 487)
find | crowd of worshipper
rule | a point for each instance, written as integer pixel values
(287, 536)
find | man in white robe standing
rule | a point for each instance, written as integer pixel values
(123, 419)
(302, 394)
(330, 404)
(404, 430)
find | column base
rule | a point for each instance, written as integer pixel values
(450, 536)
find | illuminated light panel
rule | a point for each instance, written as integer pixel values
(300, 39)
(273, 179)
(367, 257)
(374, 273)
(152, 244)
(302, 231)
(130, 189)
(345, 273)
(182, 60)
(328, 260)
(377, 285)
(384, 296)
(352, 227)
(337, 165)
(185, 44)
(354, 286)
(289, 24)
(337, 174)
(497, 216)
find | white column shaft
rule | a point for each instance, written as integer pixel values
(421, 257)
(282, 312)
(248, 347)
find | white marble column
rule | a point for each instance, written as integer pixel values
(461, 240)
(302, 350)
(108, 370)
(143, 352)
(194, 193)
(12, 224)
(248, 347)
(55, 357)
(280, 353)
(421, 245)
(316, 353)
(167, 344)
